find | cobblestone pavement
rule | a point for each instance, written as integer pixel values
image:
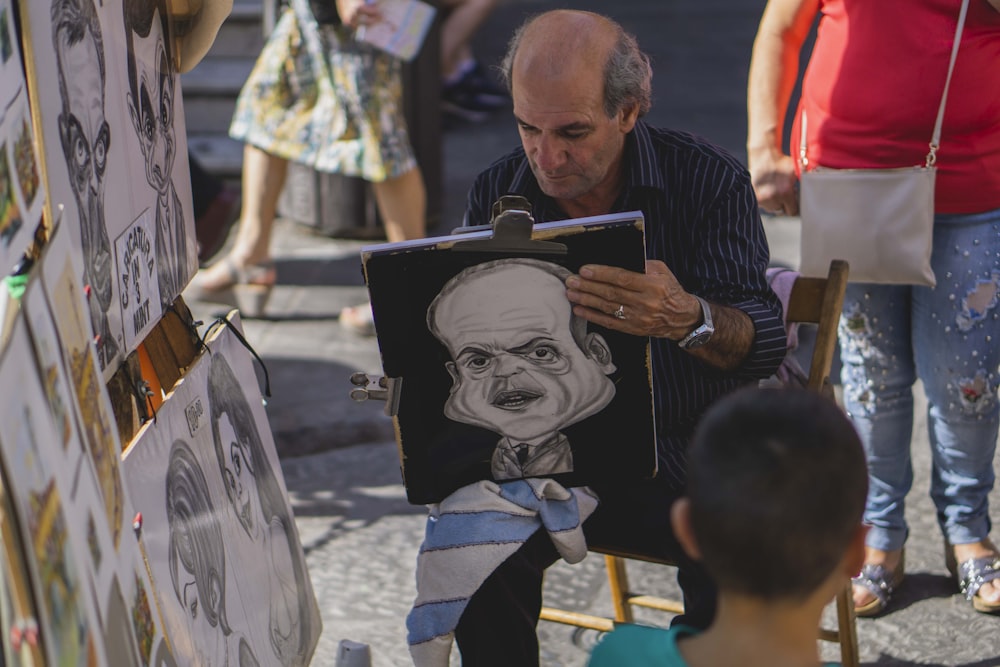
(340, 462)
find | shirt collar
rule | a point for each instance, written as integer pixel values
(642, 169)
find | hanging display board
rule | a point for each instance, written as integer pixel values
(106, 99)
(218, 531)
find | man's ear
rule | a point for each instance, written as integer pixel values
(453, 372)
(597, 349)
(629, 115)
(680, 519)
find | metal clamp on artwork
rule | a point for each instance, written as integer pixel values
(384, 389)
(512, 225)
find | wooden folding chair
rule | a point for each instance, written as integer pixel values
(812, 300)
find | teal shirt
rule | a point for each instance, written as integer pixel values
(643, 646)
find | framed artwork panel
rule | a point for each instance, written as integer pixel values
(493, 377)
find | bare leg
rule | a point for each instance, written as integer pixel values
(464, 19)
(263, 178)
(402, 203)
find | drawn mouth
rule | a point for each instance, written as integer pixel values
(515, 400)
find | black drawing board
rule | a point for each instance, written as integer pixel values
(441, 454)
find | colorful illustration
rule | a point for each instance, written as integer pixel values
(25, 163)
(95, 418)
(10, 214)
(142, 620)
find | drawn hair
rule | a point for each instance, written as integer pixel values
(195, 536)
(138, 16)
(628, 75)
(577, 325)
(225, 396)
(777, 483)
(75, 18)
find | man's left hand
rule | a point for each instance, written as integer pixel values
(651, 303)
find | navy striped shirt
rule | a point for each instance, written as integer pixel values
(701, 220)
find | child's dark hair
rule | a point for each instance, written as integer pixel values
(777, 482)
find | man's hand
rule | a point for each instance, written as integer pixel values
(653, 303)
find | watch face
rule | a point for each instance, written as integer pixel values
(698, 340)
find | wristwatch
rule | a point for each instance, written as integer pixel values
(701, 334)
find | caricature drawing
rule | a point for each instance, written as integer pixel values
(197, 562)
(85, 137)
(259, 504)
(522, 365)
(151, 80)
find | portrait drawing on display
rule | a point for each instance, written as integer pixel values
(261, 509)
(197, 559)
(522, 364)
(497, 378)
(150, 96)
(85, 137)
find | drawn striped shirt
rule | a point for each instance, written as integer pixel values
(702, 221)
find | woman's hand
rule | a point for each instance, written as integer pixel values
(357, 13)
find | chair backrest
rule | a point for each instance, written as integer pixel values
(819, 301)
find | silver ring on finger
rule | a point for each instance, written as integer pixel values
(620, 313)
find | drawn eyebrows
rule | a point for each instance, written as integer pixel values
(522, 349)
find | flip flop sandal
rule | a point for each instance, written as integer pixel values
(882, 583)
(250, 286)
(975, 572)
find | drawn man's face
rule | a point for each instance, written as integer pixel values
(86, 135)
(516, 367)
(238, 473)
(153, 113)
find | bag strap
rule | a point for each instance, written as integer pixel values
(936, 136)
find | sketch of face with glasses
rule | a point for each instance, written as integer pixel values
(86, 138)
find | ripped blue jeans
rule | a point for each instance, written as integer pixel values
(949, 337)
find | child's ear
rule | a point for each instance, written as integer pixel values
(854, 557)
(680, 519)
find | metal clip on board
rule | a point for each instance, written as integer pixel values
(384, 389)
(512, 225)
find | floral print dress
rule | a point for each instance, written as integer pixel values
(319, 97)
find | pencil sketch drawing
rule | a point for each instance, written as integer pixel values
(85, 137)
(197, 563)
(151, 90)
(259, 504)
(522, 365)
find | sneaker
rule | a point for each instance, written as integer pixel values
(485, 85)
(468, 99)
(358, 319)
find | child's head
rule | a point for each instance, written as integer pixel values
(777, 482)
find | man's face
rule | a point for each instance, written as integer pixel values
(516, 368)
(86, 136)
(571, 144)
(152, 114)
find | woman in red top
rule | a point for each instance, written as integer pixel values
(871, 92)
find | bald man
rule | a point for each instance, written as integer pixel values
(523, 365)
(580, 86)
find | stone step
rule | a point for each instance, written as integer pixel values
(217, 76)
(217, 153)
(208, 115)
